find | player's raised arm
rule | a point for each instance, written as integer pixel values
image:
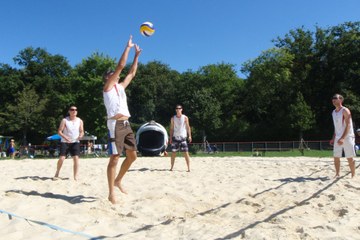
(133, 68)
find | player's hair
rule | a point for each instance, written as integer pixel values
(339, 96)
(106, 74)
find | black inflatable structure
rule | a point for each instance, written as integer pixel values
(151, 139)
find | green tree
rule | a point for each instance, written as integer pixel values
(204, 113)
(326, 62)
(151, 95)
(25, 113)
(10, 85)
(226, 89)
(195, 91)
(48, 75)
(301, 116)
(270, 91)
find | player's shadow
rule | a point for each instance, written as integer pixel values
(291, 180)
(353, 187)
(38, 178)
(147, 169)
(302, 179)
(144, 228)
(70, 199)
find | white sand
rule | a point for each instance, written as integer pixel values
(221, 198)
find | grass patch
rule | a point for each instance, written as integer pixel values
(292, 153)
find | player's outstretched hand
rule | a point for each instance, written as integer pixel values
(130, 43)
(137, 49)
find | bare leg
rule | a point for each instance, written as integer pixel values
(130, 158)
(173, 156)
(59, 165)
(337, 166)
(76, 167)
(352, 166)
(111, 170)
(187, 159)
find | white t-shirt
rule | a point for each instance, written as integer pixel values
(339, 124)
(115, 101)
(72, 129)
(180, 126)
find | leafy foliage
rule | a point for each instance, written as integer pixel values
(286, 94)
(27, 108)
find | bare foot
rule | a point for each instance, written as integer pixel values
(337, 176)
(118, 184)
(112, 199)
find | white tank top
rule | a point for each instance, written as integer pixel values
(339, 124)
(115, 101)
(179, 126)
(72, 129)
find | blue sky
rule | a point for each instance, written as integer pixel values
(189, 33)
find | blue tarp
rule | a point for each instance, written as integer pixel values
(54, 137)
(84, 138)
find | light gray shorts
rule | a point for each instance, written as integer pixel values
(348, 147)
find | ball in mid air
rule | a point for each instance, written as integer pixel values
(147, 29)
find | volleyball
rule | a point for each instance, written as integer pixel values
(147, 29)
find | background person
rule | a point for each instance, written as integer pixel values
(90, 146)
(344, 137)
(357, 141)
(71, 130)
(11, 149)
(179, 131)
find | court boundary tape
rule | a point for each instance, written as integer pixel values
(51, 226)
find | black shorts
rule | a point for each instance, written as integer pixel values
(72, 148)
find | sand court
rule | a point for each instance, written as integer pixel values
(221, 198)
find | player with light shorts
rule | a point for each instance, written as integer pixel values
(120, 132)
(344, 137)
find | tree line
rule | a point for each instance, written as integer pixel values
(286, 93)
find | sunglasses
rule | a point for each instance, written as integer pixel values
(73, 109)
(334, 98)
(178, 108)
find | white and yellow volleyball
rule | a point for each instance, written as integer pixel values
(147, 29)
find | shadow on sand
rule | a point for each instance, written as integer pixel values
(70, 199)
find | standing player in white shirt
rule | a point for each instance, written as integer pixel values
(71, 130)
(344, 137)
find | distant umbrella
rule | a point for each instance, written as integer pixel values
(54, 137)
